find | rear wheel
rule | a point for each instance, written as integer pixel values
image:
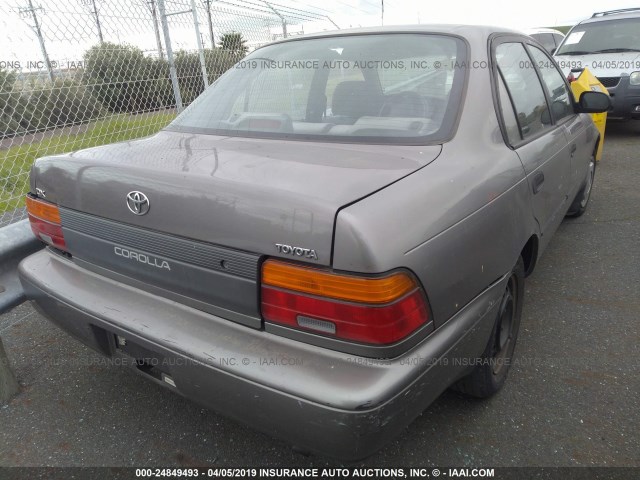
(580, 203)
(491, 371)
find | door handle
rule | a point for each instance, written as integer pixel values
(538, 180)
(573, 149)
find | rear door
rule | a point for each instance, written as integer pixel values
(539, 141)
(575, 125)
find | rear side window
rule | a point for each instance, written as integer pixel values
(525, 90)
(561, 104)
(508, 115)
(376, 88)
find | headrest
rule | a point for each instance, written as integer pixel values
(355, 99)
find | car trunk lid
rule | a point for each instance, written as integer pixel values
(215, 205)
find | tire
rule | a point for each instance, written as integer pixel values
(581, 202)
(490, 374)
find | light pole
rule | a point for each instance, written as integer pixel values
(30, 11)
(94, 11)
(207, 5)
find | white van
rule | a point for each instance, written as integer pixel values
(608, 44)
(549, 38)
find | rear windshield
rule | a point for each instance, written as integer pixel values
(387, 88)
(607, 36)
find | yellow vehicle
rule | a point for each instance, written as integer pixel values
(582, 80)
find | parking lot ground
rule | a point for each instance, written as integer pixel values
(572, 397)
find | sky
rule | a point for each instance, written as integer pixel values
(541, 13)
(69, 28)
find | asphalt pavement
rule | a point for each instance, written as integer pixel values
(572, 397)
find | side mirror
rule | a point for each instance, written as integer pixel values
(553, 50)
(594, 102)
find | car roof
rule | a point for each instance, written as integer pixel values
(613, 15)
(465, 31)
(531, 31)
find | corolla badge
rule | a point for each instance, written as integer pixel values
(142, 258)
(138, 203)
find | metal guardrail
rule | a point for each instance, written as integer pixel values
(8, 384)
(16, 242)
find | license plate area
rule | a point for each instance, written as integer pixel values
(146, 361)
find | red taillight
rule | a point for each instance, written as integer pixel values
(44, 218)
(379, 310)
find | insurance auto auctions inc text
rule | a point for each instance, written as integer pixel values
(375, 472)
(354, 472)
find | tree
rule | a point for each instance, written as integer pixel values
(124, 80)
(66, 102)
(234, 42)
(188, 67)
(9, 101)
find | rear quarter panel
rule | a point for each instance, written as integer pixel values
(460, 223)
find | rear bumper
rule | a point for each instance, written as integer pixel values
(323, 401)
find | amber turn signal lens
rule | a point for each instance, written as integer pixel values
(341, 287)
(44, 218)
(43, 210)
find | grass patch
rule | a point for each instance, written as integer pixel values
(16, 162)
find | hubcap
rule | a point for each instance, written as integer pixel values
(506, 320)
(504, 331)
(589, 184)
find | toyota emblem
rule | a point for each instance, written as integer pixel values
(137, 202)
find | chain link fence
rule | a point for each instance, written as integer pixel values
(81, 73)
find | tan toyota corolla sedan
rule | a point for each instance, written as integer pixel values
(331, 235)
